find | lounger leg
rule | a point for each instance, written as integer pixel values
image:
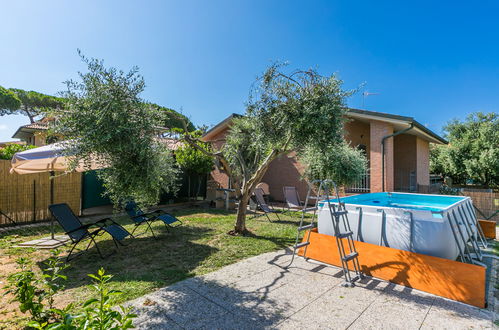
(97, 247)
(150, 228)
(71, 252)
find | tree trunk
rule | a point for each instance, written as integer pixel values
(200, 179)
(189, 187)
(240, 227)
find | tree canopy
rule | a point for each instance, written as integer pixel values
(9, 102)
(29, 103)
(473, 150)
(107, 122)
(300, 111)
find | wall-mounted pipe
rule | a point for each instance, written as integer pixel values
(383, 152)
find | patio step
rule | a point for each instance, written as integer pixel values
(308, 227)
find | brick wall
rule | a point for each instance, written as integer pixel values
(358, 133)
(378, 130)
(217, 179)
(405, 160)
(285, 171)
(423, 159)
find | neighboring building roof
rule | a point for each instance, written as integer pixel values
(6, 143)
(27, 130)
(219, 127)
(399, 122)
(171, 143)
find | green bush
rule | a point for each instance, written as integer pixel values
(9, 151)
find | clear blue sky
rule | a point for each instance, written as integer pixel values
(433, 60)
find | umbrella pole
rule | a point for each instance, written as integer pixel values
(52, 174)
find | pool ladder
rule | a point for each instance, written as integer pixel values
(466, 217)
(348, 252)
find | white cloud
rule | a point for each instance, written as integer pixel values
(3, 127)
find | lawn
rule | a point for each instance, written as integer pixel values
(198, 247)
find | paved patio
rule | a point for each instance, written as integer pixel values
(258, 293)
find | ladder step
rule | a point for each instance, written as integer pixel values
(350, 256)
(300, 245)
(343, 235)
(356, 278)
(309, 209)
(307, 227)
(340, 213)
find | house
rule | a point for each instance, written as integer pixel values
(402, 140)
(34, 133)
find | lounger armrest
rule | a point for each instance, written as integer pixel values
(105, 221)
(153, 213)
(85, 226)
(147, 215)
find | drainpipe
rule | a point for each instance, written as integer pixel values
(383, 152)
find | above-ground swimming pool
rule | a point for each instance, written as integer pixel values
(435, 225)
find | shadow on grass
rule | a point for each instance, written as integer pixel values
(170, 258)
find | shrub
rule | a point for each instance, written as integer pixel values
(9, 151)
(35, 295)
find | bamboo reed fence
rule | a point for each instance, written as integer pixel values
(25, 198)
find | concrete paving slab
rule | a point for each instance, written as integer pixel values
(266, 281)
(259, 293)
(46, 242)
(395, 308)
(337, 308)
(448, 314)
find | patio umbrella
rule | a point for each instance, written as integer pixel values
(49, 158)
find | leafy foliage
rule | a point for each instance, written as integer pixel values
(98, 312)
(344, 166)
(473, 150)
(8, 151)
(33, 293)
(9, 101)
(24, 286)
(172, 119)
(193, 160)
(107, 122)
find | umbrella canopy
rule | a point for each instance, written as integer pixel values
(45, 159)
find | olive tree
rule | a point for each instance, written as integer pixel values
(105, 121)
(300, 111)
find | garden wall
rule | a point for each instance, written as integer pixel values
(25, 198)
(486, 201)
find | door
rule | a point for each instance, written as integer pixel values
(92, 191)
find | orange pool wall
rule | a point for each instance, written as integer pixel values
(442, 277)
(489, 228)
